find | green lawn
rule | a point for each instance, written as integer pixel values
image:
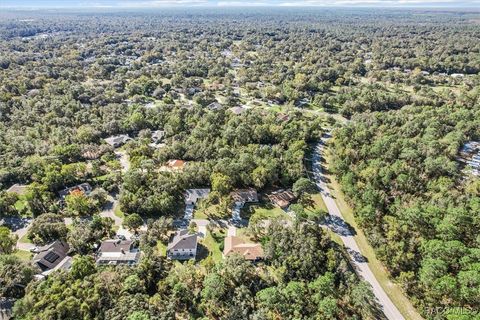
(393, 290)
(24, 239)
(263, 211)
(318, 203)
(118, 212)
(161, 249)
(213, 246)
(23, 255)
(212, 211)
(20, 204)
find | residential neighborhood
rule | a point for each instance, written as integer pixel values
(269, 160)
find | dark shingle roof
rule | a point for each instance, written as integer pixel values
(183, 240)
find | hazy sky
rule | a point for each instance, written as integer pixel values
(222, 3)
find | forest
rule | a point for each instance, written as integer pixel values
(239, 98)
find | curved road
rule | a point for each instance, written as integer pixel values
(339, 226)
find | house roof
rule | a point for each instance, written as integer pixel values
(192, 195)
(49, 256)
(86, 188)
(120, 139)
(176, 163)
(215, 106)
(236, 245)
(183, 240)
(117, 252)
(158, 134)
(282, 198)
(237, 110)
(245, 195)
(115, 245)
(18, 189)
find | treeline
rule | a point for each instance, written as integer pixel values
(400, 171)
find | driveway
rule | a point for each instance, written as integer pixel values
(236, 212)
(188, 215)
(202, 226)
(232, 231)
(19, 227)
(338, 225)
(123, 158)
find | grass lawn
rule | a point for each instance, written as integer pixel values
(102, 178)
(392, 289)
(212, 244)
(263, 211)
(212, 211)
(318, 204)
(24, 239)
(20, 204)
(118, 212)
(161, 249)
(23, 255)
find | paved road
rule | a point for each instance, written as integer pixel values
(339, 226)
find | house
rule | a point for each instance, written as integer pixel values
(183, 246)
(176, 164)
(238, 110)
(85, 188)
(157, 136)
(243, 196)
(18, 189)
(281, 198)
(236, 245)
(193, 195)
(117, 141)
(52, 257)
(283, 117)
(117, 251)
(215, 106)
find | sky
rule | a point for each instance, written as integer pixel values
(231, 3)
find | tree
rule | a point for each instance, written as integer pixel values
(133, 222)
(157, 230)
(15, 274)
(221, 183)
(82, 266)
(303, 188)
(7, 240)
(7, 203)
(38, 198)
(46, 228)
(79, 204)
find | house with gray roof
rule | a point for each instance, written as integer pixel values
(183, 246)
(157, 136)
(193, 195)
(18, 189)
(52, 257)
(117, 141)
(242, 196)
(117, 251)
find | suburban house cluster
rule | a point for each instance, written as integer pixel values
(54, 256)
